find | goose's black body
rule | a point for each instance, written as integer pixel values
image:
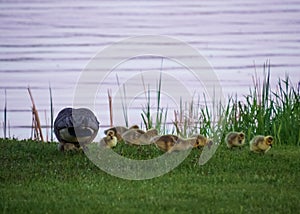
(75, 126)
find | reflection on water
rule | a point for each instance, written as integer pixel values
(49, 43)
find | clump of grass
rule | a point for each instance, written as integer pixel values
(286, 125)
(267, 112)
(160, 114)
(253, 115)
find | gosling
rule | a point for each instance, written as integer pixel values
(139, 137)
(235, 139)
(170, 143)
(119, 131)
(261, 144)
(110, 140)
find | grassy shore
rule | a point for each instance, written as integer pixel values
(36, 178)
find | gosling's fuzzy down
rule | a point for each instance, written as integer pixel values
(120, 130)
(139, 137)
(235, 139)
(170, 143)
(261, 144)
(110, 140)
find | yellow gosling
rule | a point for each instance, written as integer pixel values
(110, 140)
(235, 139)
(202, 141)
(261, 144)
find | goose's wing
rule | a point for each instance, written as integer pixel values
(84, 117)
(63, 120)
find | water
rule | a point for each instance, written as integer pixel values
(46, 43)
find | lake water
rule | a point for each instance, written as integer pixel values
(46, 43)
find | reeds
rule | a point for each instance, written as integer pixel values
(38, 134)
(286, 125)
(262, 112)
(5, 116)
(146, 111)
(160, 114)
(110, 107)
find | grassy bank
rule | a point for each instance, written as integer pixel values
(36, 178)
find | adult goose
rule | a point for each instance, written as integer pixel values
(74, 128)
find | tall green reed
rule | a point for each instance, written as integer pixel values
(286, 126)
(5, 115)
(160, 113)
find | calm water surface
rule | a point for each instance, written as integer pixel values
(46, 43)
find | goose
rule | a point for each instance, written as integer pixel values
(261, 144)
(235, 139)
(75, 126)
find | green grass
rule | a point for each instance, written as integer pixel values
(36, 178)
(267, 112)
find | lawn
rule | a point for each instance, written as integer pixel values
(36, 178)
